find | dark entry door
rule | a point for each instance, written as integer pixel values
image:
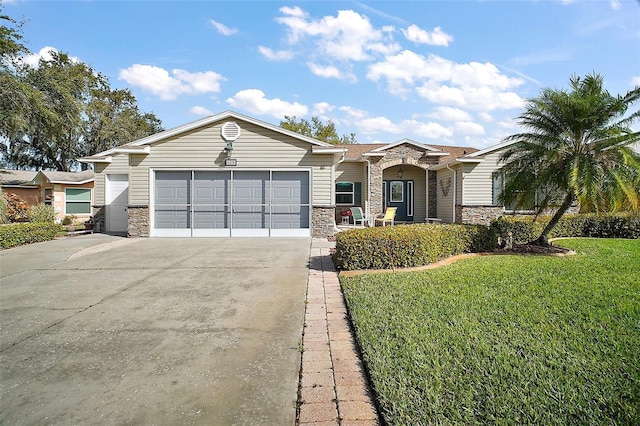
(399, 194)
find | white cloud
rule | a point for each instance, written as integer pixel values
(372, 125)
(435, 38)
(322, 108)
(281, 55)
(223, 29)
(200, 110)
(449, 114)
(615, 4)
(635, 80)
(479, 86)
(255, 101)
(329, 71)
(485, 116)
(348, 36)
(46, 54)
(168, 87)
(466, 128)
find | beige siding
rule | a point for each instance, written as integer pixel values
(445, 202)
(478, 181)
(353, 172)
(256, 148)
(119, 165)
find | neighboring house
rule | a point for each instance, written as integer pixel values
(69, 193)
(20, 183)
(234, 175)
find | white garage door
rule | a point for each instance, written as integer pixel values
(231, 203)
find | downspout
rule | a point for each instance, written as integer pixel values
(455, 187)
(333, 186)
(367, 211)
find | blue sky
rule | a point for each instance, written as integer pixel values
(439, 72)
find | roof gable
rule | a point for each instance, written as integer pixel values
(133, 146)
(17, 177)
(408, 142)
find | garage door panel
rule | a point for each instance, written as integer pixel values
(210, 217)
(172, 217)
(173, 187)
(290, 187)
(289, 217)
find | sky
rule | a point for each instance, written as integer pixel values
(454, 72)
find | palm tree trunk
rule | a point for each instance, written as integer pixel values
(543, 239)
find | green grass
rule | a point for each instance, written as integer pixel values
(506, 339)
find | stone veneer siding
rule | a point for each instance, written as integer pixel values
(322, 218)
(401, 154)
(478, 215)
(138, 225)
(433, 194)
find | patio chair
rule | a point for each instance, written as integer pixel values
(359, 216)
(388, 217)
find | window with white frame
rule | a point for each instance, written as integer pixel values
(77, 201)
(349, 193)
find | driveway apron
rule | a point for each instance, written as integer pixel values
(152, 331)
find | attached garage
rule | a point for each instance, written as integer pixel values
(242, 203)
(227, 175)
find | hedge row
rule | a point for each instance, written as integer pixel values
(26, 233)
(404, 246)
(523, 229)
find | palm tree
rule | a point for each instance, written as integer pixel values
(575, 149)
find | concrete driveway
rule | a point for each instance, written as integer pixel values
(105, 330)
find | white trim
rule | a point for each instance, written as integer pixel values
(211, 232)
(322, 150)
(249, 232)
(132, 150)
(491, 149)
(96, 159)
(469, 160)
(406, 141)
(302, 232)
(186, 232)
(374, 154)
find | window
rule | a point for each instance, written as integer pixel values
(349, 193)
(498, 188)
(48, 196)
(397, 192)
(77, 201)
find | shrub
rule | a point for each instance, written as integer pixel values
(41, 214)
(27, 233)
(68, 220)
(406, 245)
(523, 229)
(17, 208)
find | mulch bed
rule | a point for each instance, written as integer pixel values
(532, 249)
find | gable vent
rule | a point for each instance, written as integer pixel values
(230, 131)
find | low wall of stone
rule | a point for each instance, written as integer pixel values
(323, 220)
(478, 215)
(138, 225)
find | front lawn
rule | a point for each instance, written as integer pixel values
(506, 339)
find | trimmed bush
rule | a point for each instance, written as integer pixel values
(406, 245)
(26, 233)
(523, 229)
(41, 214)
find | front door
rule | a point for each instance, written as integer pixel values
(117, 200)
(399, 194)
